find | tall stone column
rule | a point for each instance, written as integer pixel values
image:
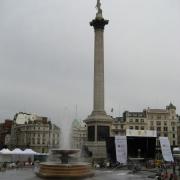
(98, 25)
(98, 123)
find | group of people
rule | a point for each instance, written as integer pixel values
(17, 164)
(164, 175)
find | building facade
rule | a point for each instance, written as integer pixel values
(5, 131)
(163, 121)
(79, 134)
(38, 133)
(178, 130)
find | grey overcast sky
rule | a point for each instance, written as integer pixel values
(46, 56)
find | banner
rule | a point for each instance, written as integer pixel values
(166, 149)
(121, 149)
(141, 133)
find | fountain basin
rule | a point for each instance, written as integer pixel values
(64, 151)
(70, 170)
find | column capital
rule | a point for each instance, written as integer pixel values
(99, 23)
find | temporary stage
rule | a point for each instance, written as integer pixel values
(140, 143)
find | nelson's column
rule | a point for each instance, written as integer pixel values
(98, 123)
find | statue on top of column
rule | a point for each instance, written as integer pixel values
(98, 6)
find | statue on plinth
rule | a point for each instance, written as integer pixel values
(99, 13)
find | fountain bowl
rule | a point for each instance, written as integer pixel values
(64, 169)
(65, 151)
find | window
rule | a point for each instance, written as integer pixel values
(165, 128)
(173, 128)
(172, 123)
(131, 120)
(130, 127)
(158, 128)
(158, 117)
(174, 136)
(142, 127)
(142, 120)
(174, 143)
(151, 128)
(165, 135)
(158, 123)
(137, 120)
(165, 123)
(152, 123)
(137, 127)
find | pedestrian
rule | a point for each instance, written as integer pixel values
(171, 177)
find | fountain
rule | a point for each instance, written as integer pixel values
(64, 169)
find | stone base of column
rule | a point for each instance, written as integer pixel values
(98, 148)
(98, 116)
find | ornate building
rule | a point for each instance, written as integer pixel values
(79, 134)
(164, 121)
(37, 133)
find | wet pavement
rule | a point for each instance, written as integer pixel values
(28, 174)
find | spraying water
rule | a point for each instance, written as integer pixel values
(66, 129)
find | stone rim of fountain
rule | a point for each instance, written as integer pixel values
(65, 170)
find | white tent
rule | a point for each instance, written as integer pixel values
(5, 155)
(17, 155)
(30, 151)
(5, 151)
(17, 151)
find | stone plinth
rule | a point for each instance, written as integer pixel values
(97, 145)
